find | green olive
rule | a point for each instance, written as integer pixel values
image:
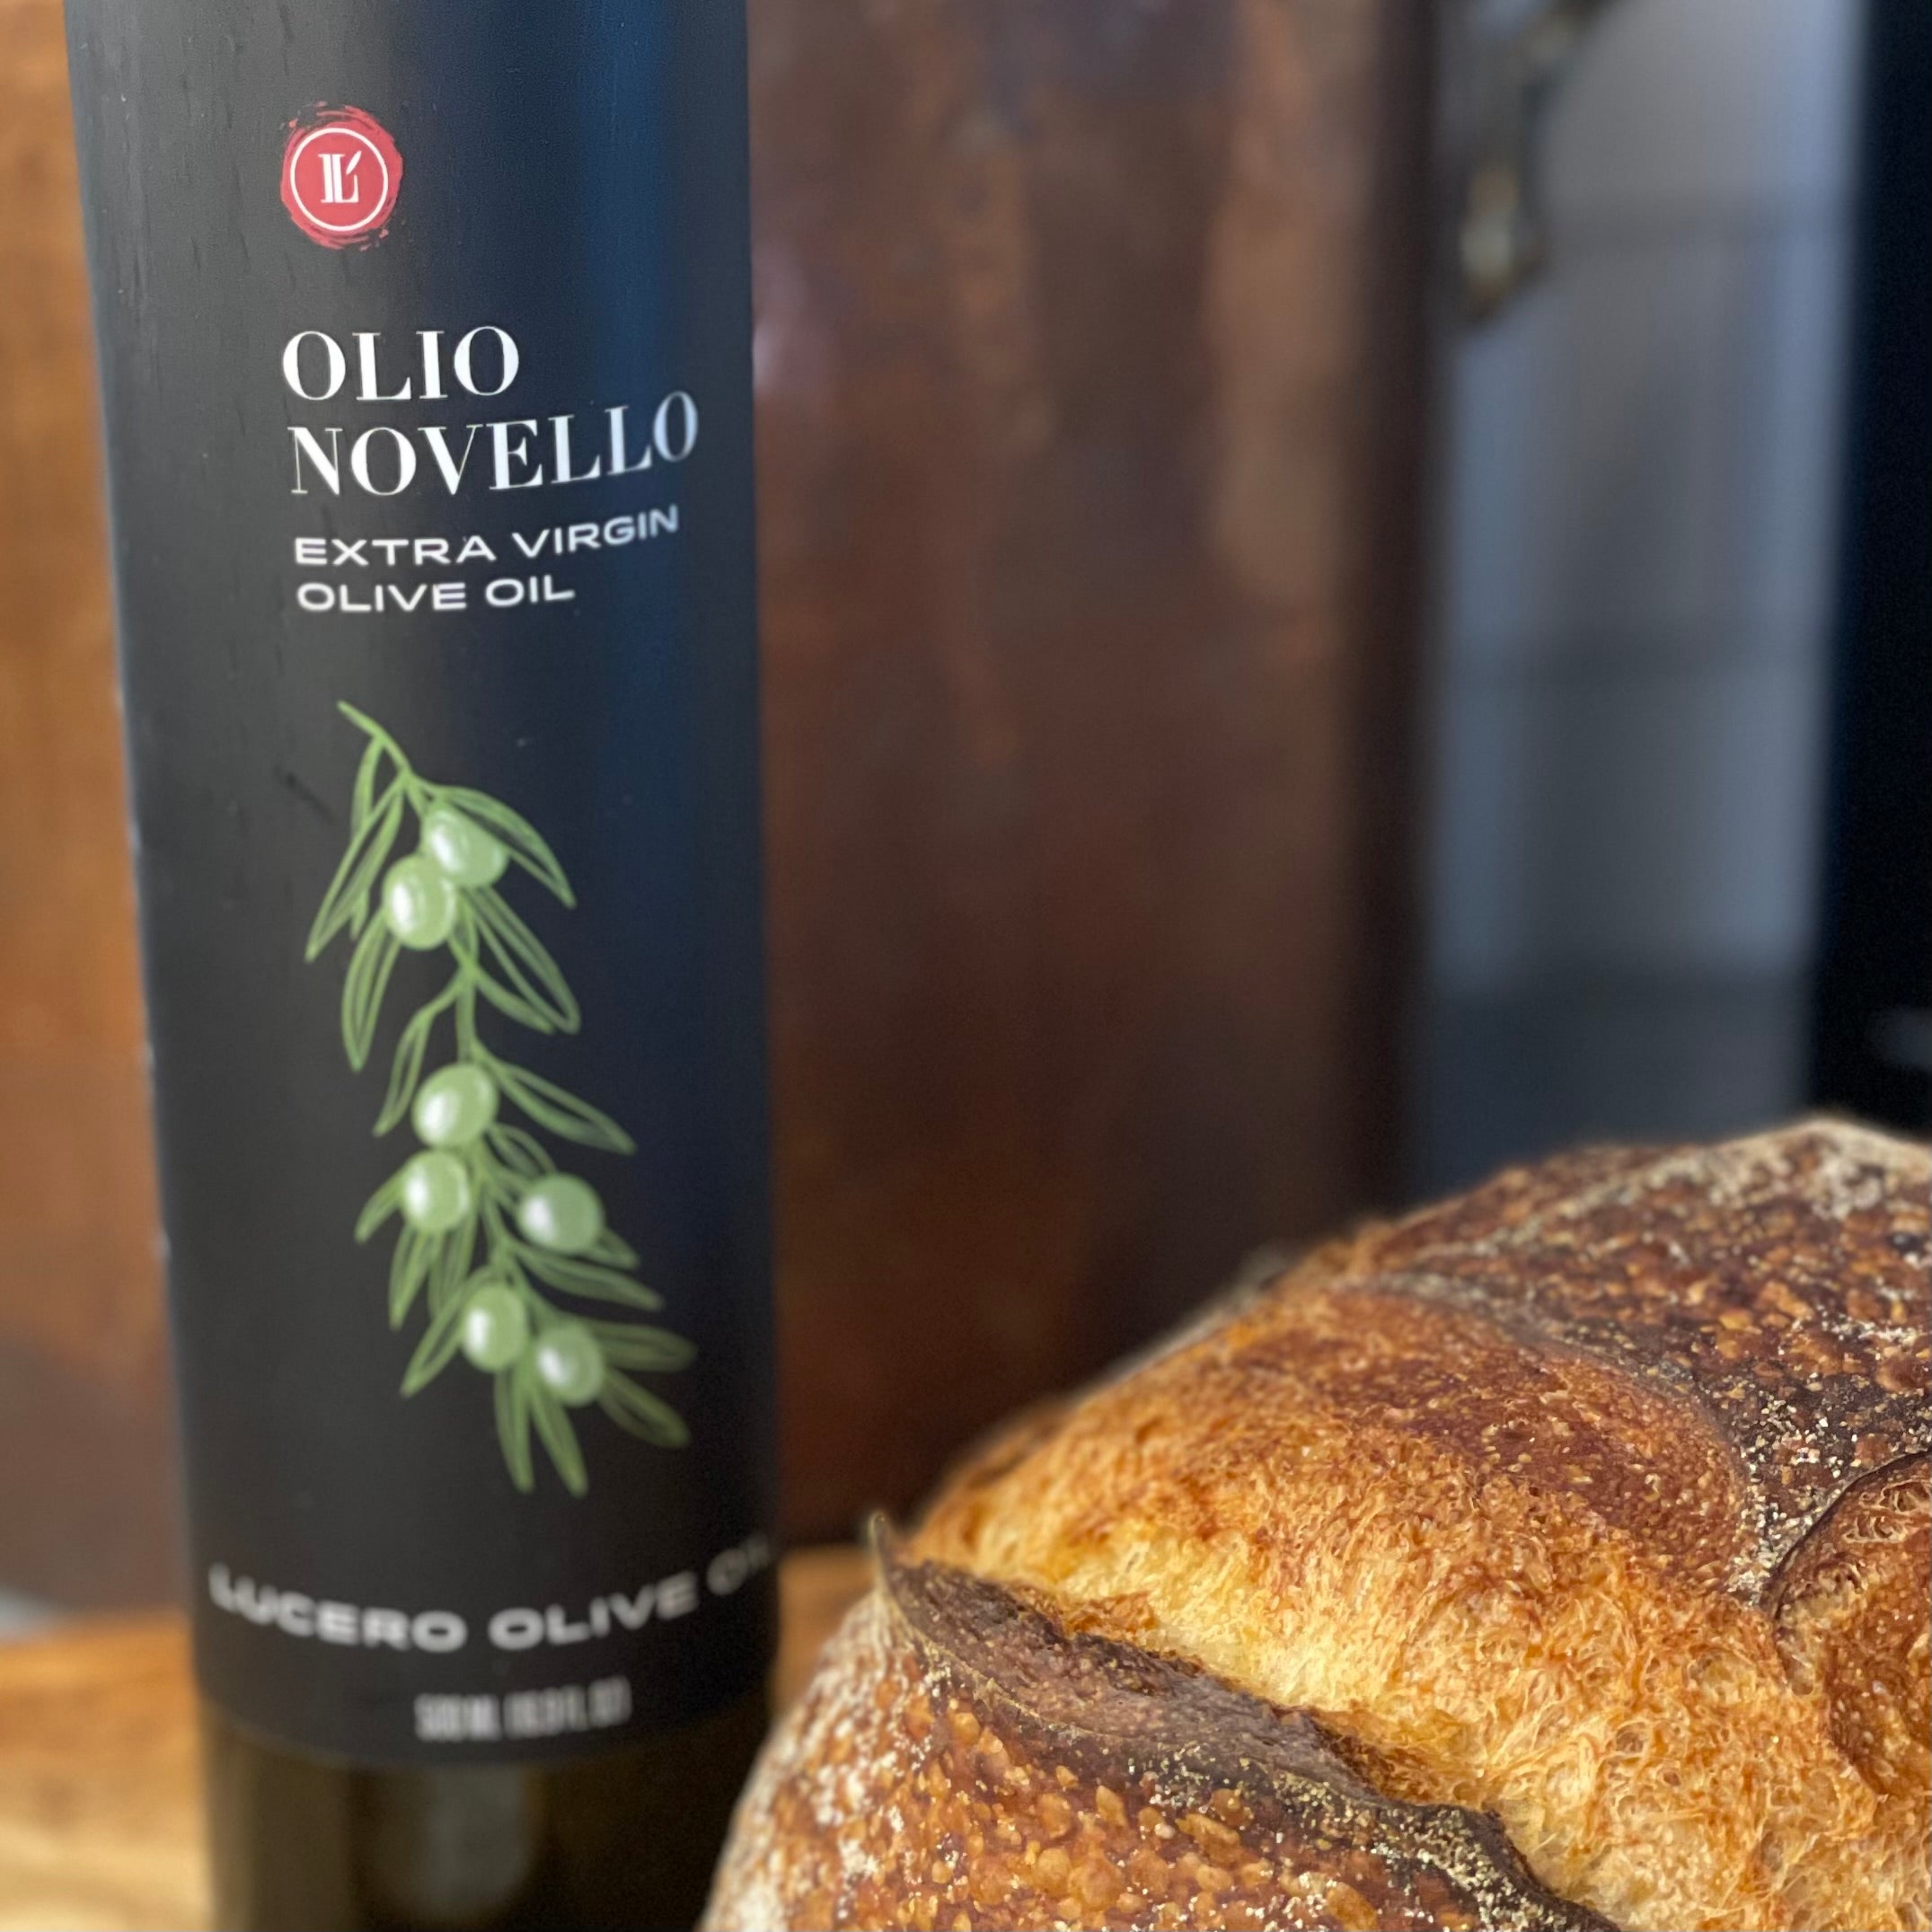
(561, 1212)
(436, 1193)
(419, 904)
(462, 849)
(454, 1106)
(495, 1327)
(569, 1363)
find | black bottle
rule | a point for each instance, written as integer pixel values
(425, 352)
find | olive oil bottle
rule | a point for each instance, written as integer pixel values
(425, 356)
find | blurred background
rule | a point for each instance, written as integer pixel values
(1345, 600)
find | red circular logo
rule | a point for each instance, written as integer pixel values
(341, 173)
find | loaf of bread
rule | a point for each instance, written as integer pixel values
(1555, 1557)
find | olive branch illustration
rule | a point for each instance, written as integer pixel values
(493, 1233)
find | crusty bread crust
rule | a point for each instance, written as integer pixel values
(1594, 1501)
(1026, 1775)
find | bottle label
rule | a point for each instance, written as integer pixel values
(425, 354)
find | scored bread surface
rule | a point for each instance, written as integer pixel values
(1588, 1512)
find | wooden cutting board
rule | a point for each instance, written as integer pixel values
(100, 1814)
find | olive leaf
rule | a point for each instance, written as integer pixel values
(549, 1106)
(501, 967)
(572, 1276)
(635, 1345)
(346, 903)
(406, 1071)
(510, 1004)
(519, 836)
(641, 1413)
(553, 1426)
(513, 1428)
(436, 1350)
(523, 960)
(450, 1278)
(521, 1152)
(408, 1268)
(612, 1250)
(363, 795)
(363, 987)
(379, 1207)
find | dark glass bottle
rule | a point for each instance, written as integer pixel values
(425, 354)
(611, 1841)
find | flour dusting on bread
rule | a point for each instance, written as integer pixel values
(1593, 1502)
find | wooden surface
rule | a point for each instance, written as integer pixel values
(1089, 347)
(100, 1814)
(83, 1397)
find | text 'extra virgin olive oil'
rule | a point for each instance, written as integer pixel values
(425, 355)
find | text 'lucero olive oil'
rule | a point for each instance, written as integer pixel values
(425, 355)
